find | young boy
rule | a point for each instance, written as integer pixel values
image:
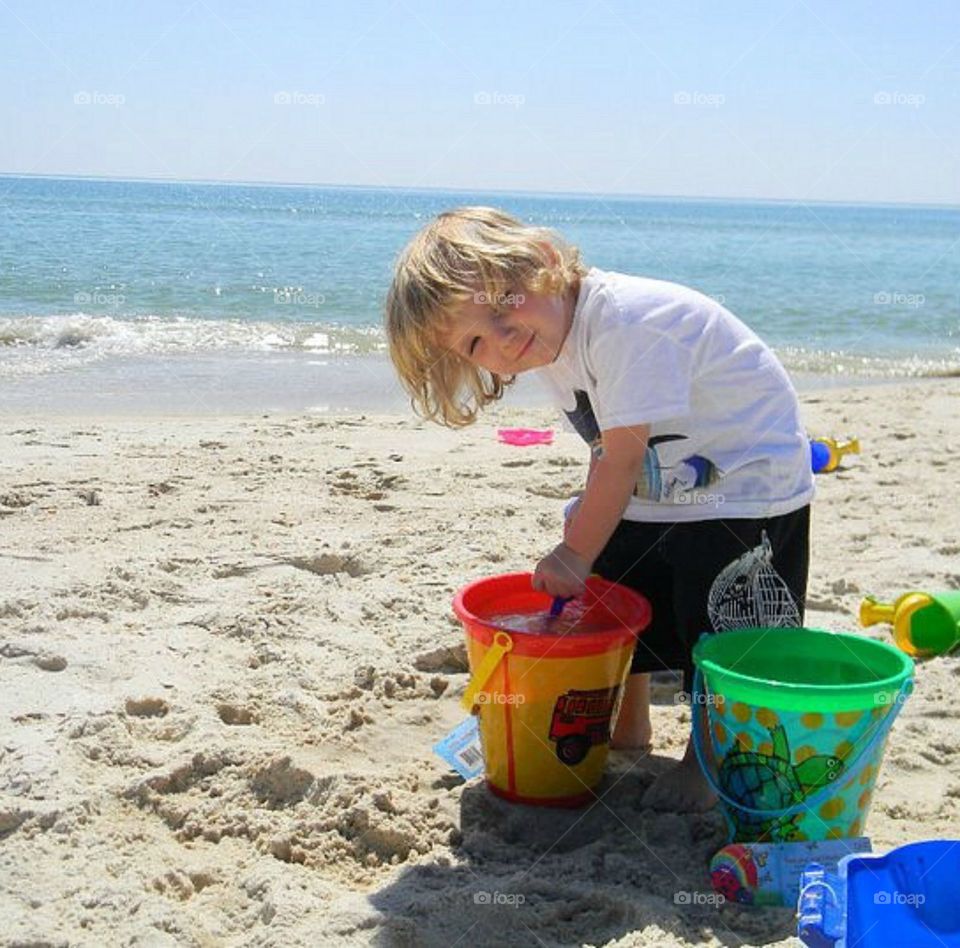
(699, 484)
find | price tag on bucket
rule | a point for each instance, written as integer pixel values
(461, 749)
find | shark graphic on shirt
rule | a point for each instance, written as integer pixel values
(666, 475)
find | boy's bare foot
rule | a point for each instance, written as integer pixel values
(633, 730)
(682, 789)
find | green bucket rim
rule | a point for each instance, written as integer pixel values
(802, 696)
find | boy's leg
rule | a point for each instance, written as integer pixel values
(700, 552)
(632, 557)
(633, 730)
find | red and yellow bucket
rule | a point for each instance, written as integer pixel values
(546, 702)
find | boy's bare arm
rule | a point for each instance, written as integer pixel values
(610, 484)
(575, 509)
(612, 480)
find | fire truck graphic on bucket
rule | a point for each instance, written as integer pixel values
(580, 720)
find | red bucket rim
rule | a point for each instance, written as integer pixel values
(556, 646)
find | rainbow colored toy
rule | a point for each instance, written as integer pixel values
(769, 873)
(924, 624)
(733, 873)
(826, 453)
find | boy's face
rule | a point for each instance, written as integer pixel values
(510, 334)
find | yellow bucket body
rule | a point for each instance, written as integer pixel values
(545, 722)
(547, 702)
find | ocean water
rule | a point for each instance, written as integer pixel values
(219, 296)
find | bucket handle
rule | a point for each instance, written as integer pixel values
(699, 708)
(502, 643)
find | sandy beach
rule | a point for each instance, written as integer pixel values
(227, 647)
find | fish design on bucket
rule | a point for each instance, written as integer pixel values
(771, 782)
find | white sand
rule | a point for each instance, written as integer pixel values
(226, 648)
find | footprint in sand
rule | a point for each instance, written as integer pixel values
(16, 500)
(281, 784)
(450, 660)
(327, 564)
(367, 485)
(824, 605)
(147, 707)
(182, 884)
(50, 662)
(561, 491)
(236, 715)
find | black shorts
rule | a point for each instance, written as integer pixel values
(709, 576)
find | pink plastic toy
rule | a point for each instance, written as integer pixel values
(525, 436)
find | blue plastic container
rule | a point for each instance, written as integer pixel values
(908, 897)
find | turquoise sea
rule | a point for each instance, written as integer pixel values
(226, 296)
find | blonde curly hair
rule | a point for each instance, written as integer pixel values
(461, 254)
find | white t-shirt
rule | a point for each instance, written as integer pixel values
(725, 437)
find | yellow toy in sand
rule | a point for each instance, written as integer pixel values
(924, 624)
(826, 453)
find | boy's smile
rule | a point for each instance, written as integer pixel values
(512, 333)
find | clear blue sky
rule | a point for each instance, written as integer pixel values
(814, 99)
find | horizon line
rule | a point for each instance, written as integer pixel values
(464, 190)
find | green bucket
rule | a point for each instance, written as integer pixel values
(790, 725)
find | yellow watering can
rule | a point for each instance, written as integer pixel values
(924, 624)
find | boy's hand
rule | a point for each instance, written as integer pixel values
(561, 573)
